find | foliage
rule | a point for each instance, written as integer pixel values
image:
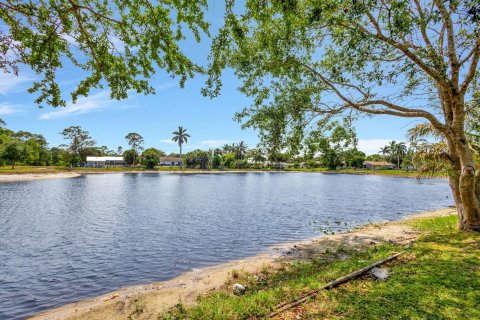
(180, 136)
(197, 159)
(118, 44)
(151, 157)
(334, 142)
(13, 152)
(229, 160)
(78, 140)
(374, 157)
(135, 141)
(217, 161)
(130, 156)
(394, 152)
(240, 150)
(256, 155)
(354, 158)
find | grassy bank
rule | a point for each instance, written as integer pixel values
(437, 278)
(53, 169)
(396, 173)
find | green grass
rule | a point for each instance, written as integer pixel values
(437, 278)
(400, 173)
(53, 169)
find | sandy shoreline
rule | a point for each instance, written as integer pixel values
(36, 176)
(161, 296)
(12, 177)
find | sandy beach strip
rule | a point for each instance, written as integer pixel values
(160, 296)
(36, 176)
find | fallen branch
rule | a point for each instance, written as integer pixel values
(312, 293)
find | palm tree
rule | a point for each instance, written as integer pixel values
(241, 150)
(181, 136)
(400, 150)
(392, 145)
(227, 148)
(385, 151)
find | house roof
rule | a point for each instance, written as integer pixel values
(170, 159)
(379, 163)
(105, 158)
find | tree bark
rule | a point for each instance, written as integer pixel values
(463, 179)
(477, 185)
(181, 159)
(469, 212)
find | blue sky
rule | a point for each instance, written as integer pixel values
(208, 121)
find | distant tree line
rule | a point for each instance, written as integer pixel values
(337, 148)
(329, 145)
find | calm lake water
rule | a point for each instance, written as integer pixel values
(69, 239)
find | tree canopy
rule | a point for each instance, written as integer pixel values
(119, 44)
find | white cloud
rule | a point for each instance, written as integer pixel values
(371, 146)
(215, 143)
(8, 108)
(167, 141)
(95, 102)
(166, 85)
(12, 83)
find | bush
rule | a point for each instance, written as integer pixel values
(312, 164)
(240, 164)
(151, 157)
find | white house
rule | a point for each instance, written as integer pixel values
(170, 162)
(102, 162)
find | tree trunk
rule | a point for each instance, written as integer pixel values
(469, 210)
(181, 159)
(13, 164)
(477, 185)
(463, 179)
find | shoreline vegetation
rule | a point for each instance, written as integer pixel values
(438, 259)
(40, 173)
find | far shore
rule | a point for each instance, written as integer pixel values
(40, 173)
(159, 297)
(36, 176)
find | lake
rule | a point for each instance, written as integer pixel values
(69, 239)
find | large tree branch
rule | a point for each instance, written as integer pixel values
(472, 69)
(452, 51)
(86, 35)
(392, 109)
(423, 31)
(77, 6)
(403, 48)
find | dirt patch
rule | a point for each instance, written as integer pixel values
(150, 300)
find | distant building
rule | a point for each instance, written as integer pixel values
(170, 162)
(102, 162)
(378, 165)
